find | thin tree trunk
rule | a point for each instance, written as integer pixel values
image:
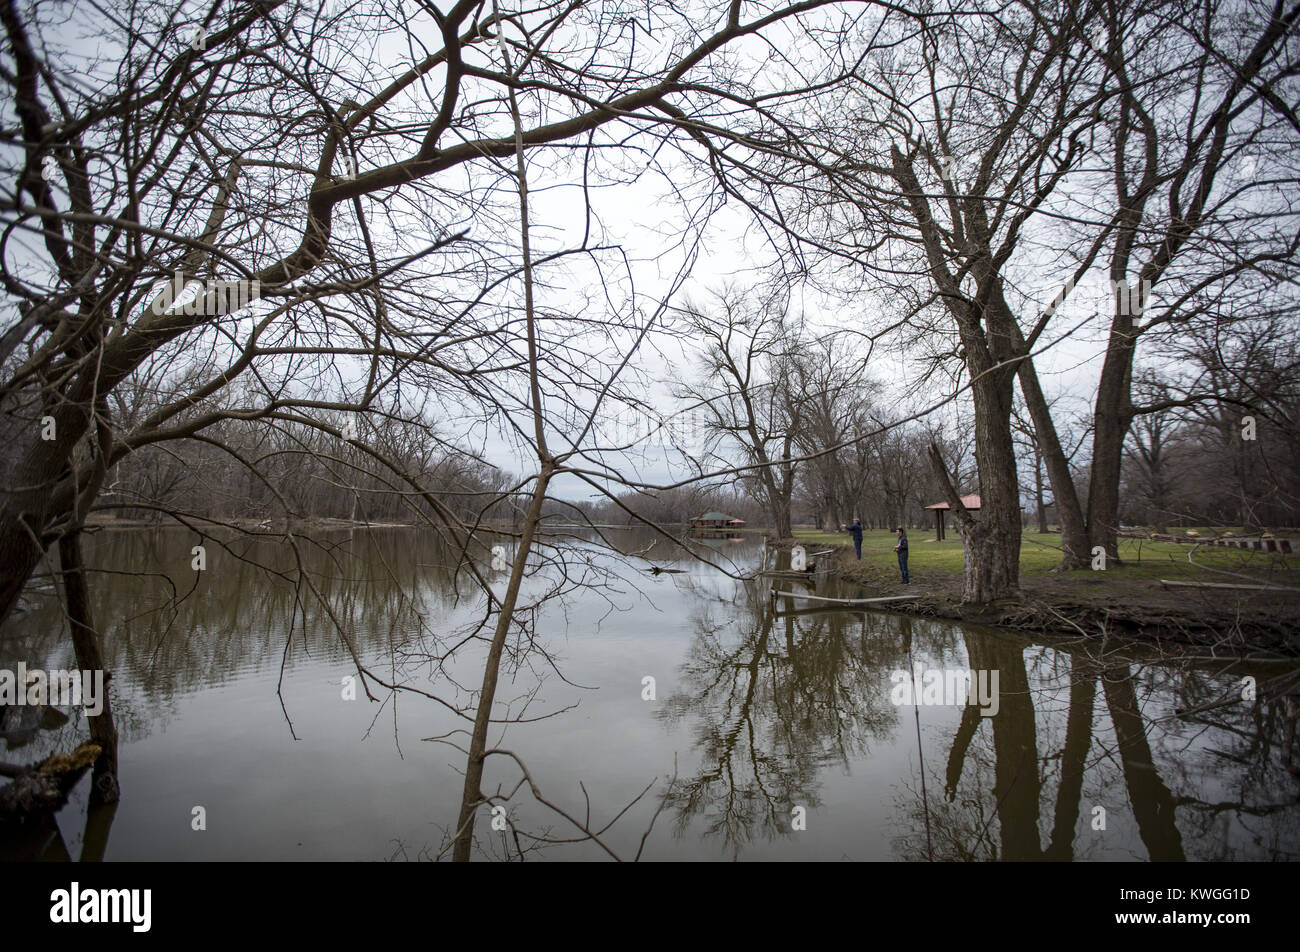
(472, 796)
(1074, 756)
(1038, 491)
(1074, 531)
(90, 657)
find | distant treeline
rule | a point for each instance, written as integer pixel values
(252, 471)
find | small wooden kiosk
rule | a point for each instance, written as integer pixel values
(971, 502)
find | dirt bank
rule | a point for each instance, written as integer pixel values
(1226, 621)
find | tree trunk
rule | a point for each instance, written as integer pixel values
(1075, 550)
(472, 797)
(1111, 419)
(992, 542)
(778, 497)
(90, 657)
(42, 485)
(29, 471)
(1038, 492)
(19, 555)
(783, 526)
(989, 337)
(990, 570)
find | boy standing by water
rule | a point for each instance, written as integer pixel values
(901, 549)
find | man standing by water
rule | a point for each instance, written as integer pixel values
(856, 529)
(901, 549)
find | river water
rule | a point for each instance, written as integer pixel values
(770, 730)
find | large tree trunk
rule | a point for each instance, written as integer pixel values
(992, 547)
(782, 518)
(990, 338)
(1111, 418)
(43, 486)
(991, 539)
(778, 498)
(19, 555)
(991, 569)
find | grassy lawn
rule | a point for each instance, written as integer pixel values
(1040, 553)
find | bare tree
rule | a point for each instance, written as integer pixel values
(977, 157)
(749, 390)
(236, 220)
(974, 135)
(1204, 191)
(837, 400)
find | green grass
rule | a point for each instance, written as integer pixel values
(1041, 552)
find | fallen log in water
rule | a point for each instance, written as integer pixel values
(43, 787)
(1169, 583)
(819, 610)
(846, 601)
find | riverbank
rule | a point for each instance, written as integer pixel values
(1127, 601)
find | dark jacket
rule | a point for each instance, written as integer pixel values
(901, 547)
(856, 531)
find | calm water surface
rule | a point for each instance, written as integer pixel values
(229, 693)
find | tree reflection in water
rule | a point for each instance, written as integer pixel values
(783, 707)
(1079, 739)
(776, 697)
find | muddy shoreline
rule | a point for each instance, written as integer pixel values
(1230, 624)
